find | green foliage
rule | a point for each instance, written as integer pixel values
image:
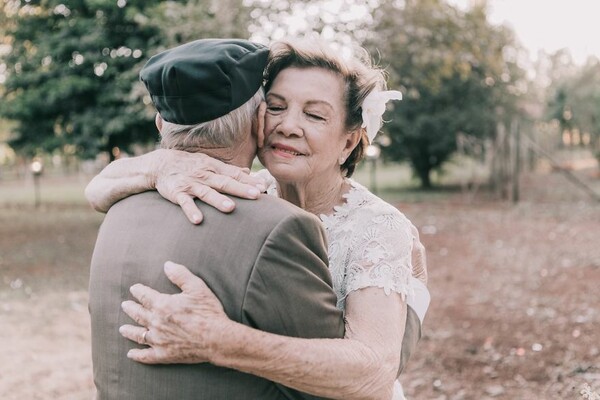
(73, 70)
(72, 73)
(454, 71)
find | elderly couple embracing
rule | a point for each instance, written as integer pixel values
(305, 285)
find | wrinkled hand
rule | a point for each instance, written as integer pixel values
(418, 257)
(181, 176)
(181, 328)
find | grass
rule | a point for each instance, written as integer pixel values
(396, 183)
(66, 190)
(49, 247)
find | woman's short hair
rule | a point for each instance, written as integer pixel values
(357, 71)
(225, 131)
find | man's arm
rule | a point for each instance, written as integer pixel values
(290, 290)
(178, 176)
(412, 335)
(272, 283)
(418, 301)
(289, 294)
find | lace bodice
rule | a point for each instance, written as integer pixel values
(370, 243)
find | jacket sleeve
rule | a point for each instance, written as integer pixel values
(412, 334)
(290, 291)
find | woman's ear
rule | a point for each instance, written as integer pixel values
(260, 124)
(352, 140)
(158, 121)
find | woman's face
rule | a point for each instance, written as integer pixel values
(305, 134)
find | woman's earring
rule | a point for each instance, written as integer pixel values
(342, 160)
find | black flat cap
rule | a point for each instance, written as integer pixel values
(205, 79)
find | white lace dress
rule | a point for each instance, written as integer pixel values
(370, 245)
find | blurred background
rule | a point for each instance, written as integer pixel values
(493, 154)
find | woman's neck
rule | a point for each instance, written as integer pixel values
(317, 196)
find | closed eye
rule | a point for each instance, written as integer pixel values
(274, 109)
(316, 117)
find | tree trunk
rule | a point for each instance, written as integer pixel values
(424, 174)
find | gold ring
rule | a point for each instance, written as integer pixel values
(144, 337)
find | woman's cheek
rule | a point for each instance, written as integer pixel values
(269, 121)
(269, 128)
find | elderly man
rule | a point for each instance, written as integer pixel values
(207, 93)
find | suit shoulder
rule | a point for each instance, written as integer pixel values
(263, 214)
(134, 200)
(273, 210)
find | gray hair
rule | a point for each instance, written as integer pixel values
(224, 131)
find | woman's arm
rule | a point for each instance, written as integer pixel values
(179, 176)
(363, 365)
(121, 178)
(191, 327)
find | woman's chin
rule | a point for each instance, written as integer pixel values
(283, 172)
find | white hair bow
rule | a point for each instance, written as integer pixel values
(373, 108)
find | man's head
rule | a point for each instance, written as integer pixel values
(206, 92)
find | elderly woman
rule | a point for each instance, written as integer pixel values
(322, 111)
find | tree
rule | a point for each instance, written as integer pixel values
(342, 22)
(182, 22)
(73, 69)
(575, 103)
(455, 71)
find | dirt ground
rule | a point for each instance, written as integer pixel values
(515, 308)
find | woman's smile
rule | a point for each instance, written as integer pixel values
(285, 151)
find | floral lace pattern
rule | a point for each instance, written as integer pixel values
(370, 243)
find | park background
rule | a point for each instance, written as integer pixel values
(493, 154)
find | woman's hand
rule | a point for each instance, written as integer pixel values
(179, 176)
(179, 328)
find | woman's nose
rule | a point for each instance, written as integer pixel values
(290, 125)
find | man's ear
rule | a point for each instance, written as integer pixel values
(260, 124)
(158, 121)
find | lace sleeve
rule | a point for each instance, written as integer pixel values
(381, 256)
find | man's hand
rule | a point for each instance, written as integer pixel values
(179, 328)
(418, 257)
(181, 176)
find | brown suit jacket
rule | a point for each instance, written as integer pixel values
(267, 263)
